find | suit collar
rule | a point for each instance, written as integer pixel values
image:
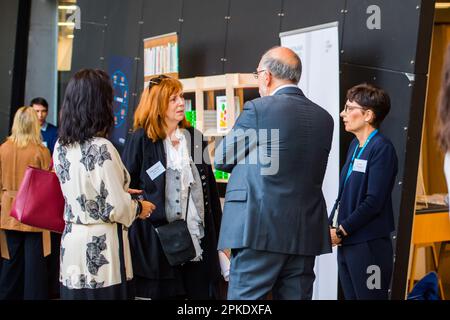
(44, 126)
(289, 90)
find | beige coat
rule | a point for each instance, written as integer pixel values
(13, 163)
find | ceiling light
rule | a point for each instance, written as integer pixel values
(67, 7)
(66, 24)
(442, 5)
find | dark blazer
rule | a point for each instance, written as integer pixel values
(140, 154)
(277, 204)
(49, 136)
(365, 210)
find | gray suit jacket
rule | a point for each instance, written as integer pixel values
(277, 154)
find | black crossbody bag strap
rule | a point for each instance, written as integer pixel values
(187, 205)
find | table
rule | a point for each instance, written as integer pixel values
(431, 226)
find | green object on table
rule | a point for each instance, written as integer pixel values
(220, 175)
(191, 117)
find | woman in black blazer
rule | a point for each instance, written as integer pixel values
(362, 218)
(160, 130)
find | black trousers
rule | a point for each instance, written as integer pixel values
(365, 269)
(53, 266)
(24, 275)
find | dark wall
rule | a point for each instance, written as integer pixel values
(395, 57)
(219, 36)
(8, 32)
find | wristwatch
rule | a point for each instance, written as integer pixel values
(339, 233)
(138, 208)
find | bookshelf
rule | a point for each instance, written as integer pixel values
(161, 56)
(234, 85)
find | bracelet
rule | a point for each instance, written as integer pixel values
(138, 208)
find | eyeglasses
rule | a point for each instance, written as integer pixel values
(348, 108)
(156, 81)
(256, 73)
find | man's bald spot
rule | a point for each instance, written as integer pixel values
(284, 55)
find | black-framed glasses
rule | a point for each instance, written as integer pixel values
(348, 108)
(256, 73)
(156, 81)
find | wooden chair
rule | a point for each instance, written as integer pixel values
(429, 229)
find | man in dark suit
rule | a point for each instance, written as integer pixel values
(49, 132)
(275, 216)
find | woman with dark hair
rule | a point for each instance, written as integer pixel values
(362, 218)
(95, 254)
(164, 156)
(443, 132)
(24, 272)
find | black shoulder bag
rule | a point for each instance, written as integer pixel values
(176, 240)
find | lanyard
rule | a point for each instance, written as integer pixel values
(350, 167)
(349, 172)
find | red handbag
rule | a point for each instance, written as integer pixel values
(39, 201)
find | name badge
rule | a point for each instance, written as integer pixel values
(156, 170)
(360, 165)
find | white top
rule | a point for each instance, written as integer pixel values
(179, 159)
(98, 208)
(44, 126)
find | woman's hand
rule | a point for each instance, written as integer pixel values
(147, 209)
(135, 191)
(343, 230)
(335, 240)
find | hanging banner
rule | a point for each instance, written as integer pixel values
(120, 73)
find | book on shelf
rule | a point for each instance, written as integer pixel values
(187, 104)
(160, 56)
(161, 59)
(222, 112)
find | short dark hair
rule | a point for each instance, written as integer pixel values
(87, 107)
(41, 101)
(373, 98)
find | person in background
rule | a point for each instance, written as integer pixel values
(49, 136)
(362, 218)
(275, 217)
(95, 253)
(49, 132)
(24, 272)
(443, 131)
(164, 142)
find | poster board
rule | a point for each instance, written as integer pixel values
(318, 49)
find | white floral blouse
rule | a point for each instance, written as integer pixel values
(98, 212)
